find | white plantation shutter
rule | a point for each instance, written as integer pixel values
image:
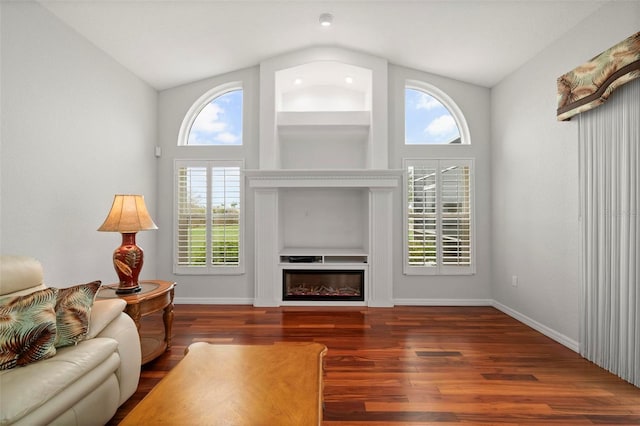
(439, 217)
(225, 215)
(455, 208)
(421, 215)
(191, 244)
(209, 219)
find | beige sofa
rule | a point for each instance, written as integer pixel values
(82, 384)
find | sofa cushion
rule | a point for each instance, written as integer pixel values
(19, 273)
(27, 328)
(45, 380)
(73, 310)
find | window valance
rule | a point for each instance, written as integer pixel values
(590, 84)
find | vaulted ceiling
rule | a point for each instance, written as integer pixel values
(172, 42)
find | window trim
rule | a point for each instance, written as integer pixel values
(447, 102)
(200, 104)
(439, 268)
(209, 269)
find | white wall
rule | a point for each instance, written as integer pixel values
(474, 102)
(173, 105)
(535, 224)
(76, 129)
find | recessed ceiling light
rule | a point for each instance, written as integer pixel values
(297, 81)
(348, 80)
(326, 19)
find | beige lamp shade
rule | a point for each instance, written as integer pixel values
(128, 214)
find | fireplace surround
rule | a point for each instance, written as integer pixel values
(274, 243)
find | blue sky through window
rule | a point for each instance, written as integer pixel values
(219, 122)
(427, 120)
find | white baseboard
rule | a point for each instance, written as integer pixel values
(443, 302)
(213, 301)
(549, 332)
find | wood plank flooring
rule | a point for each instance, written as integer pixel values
(417, 365)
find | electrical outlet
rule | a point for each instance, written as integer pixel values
(514, 280)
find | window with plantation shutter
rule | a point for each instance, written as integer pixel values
(209, 220)
(439, 217)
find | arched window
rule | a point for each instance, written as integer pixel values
(208, 196)
(439, 205)
(215, 119)
(432, 118)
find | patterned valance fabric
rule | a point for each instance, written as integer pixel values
(590, 84)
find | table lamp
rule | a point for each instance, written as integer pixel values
(128, 215)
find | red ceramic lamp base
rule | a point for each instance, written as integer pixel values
(128, 260)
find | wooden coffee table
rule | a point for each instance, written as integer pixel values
(279, 384)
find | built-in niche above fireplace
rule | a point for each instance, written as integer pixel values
(323, 187)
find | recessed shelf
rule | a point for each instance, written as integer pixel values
(314, 251)
(323, 256)
(291, 120)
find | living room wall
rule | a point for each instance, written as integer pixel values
(535, 217)
(474, 101)
(173, 105)
(77, 128)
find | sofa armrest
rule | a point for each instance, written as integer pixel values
(102, 313)
(109, 320)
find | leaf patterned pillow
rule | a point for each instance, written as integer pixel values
(27, 328)
(73, 309)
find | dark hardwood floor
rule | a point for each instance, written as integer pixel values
(417, 365)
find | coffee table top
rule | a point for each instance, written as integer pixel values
(279, 384)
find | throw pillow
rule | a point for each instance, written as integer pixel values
(73, 310)
(27, 328)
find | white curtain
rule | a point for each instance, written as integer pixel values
(609, 156)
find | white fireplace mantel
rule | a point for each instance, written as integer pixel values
(362, 178)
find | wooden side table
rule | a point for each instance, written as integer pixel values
(155, 296)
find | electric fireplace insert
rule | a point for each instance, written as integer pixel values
(322, 285)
